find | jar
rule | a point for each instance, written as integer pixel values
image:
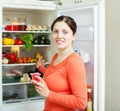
(22, 24)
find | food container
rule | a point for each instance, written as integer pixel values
(34, 76)
(11, 27)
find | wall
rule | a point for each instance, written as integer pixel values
(112, 95)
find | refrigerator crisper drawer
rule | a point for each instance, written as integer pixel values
(13, 93)
(19, 92)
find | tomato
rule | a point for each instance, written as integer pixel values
(18, 41)
(12, 58)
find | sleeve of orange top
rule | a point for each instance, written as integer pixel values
(77, 81)
(42, 69)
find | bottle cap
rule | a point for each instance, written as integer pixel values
(75, 50)
(89, 90)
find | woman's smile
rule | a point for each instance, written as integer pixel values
(59, 41)
(62, 35)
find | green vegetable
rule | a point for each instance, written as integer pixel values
(47, 41)
(35, 42)
(31, 91)
(27, 41)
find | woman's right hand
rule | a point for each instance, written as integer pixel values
(41, 87)
(40, 62)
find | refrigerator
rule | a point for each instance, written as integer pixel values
(89, 43)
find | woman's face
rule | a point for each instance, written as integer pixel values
(62, 35)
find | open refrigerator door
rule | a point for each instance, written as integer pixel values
(86, 44)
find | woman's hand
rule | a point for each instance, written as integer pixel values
(41, 87)
(40, 62)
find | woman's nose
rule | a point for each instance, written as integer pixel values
(59, 35)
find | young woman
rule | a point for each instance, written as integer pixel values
(64, 82)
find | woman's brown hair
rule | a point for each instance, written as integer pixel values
(68, 20)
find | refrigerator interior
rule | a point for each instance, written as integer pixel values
(33, 17)
(85, 42)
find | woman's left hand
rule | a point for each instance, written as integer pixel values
(41, 87)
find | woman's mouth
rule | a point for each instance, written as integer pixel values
(59, 41)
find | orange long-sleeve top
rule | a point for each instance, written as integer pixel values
(67, 84)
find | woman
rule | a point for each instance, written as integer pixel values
(64, 82)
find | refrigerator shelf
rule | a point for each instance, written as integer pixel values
(22, 45)
(14, 101)
(23, 64)
(42, 32)
(17, 83)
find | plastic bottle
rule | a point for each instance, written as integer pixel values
(22, 24)
(89, 102)
(14, 24)
(77, 51)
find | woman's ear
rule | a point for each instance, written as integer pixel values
(74, 36)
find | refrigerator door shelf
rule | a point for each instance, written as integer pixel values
(76, 3)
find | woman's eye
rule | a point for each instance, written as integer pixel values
(55, 31)
(65, 32)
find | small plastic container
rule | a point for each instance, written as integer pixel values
(34, 76)
(11, 27)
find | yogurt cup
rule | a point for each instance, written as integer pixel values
(35, 75)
